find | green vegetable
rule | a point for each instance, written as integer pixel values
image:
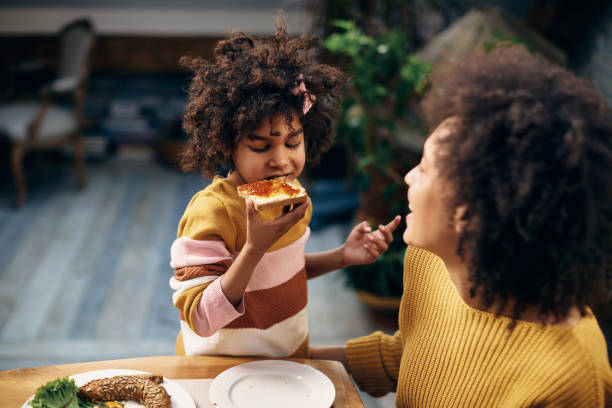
(85, 404)
(59, 393)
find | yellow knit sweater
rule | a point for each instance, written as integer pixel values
(447, 354)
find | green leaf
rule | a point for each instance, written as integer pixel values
(380, 90)
(344, 24)
(334, 42)
(365, 162)
(414, 71)
(59, 393)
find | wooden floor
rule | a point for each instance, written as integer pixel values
(85, 274)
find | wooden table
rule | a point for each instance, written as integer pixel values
(16, 386)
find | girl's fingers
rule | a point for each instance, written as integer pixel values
(250, 208)
(383, 236)
(372, 250)
(393, 224)
(379, 242)
(362, 230)
(300, 209)
(386, 235)
(387, 230)
(290, 218)
(364, 227)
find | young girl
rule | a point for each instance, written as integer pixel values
(261, 108)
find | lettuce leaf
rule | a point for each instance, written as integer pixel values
(59, 393)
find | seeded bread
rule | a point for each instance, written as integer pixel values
(145, 389)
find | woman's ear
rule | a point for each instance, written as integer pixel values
(459, 221)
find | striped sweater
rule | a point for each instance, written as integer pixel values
(447, 354)
(271, 319)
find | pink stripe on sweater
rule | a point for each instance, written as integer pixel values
(214, 310)
(275, 268)
(279, 266)
(190, 252)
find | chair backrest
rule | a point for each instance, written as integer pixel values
(76, 40)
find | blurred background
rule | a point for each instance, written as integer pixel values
(91, 99)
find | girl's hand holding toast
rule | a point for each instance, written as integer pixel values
(364, 246)
(261, 235)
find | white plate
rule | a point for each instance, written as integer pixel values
(180, 398)
(272, 384)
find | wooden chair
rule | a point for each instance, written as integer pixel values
(48, 123)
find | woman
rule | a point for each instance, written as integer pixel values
(510, 238)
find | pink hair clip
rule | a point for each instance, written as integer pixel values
(309, 98)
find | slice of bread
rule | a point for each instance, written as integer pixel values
(277, 192)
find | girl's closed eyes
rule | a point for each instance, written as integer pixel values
(265, 147)
(261, 144)
(259, 149)
(294, 145)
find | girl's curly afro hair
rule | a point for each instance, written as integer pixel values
(532, 162)
(251, 79)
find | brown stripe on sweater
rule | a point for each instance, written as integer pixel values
(264, 308)
(190, 272)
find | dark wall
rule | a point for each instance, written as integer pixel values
(112, 53)
(210, 4)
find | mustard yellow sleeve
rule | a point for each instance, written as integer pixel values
(374, 362)
(206, 218)
(200, 254)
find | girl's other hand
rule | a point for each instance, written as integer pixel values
(364, 246)
(261, 235)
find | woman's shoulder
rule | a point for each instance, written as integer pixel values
(591, 340)
(574, 361)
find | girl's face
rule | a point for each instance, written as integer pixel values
(271, 150)
(428, 225)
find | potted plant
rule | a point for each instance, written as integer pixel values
(377, 120)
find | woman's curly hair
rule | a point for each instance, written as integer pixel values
(251, 79)
(532, 163)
